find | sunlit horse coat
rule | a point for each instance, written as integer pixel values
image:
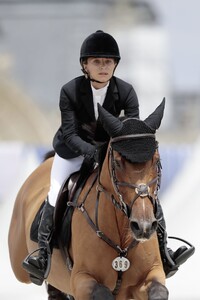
(79, 129)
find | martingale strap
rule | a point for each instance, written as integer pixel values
(95, 226)
(100, 234)
(105, 238)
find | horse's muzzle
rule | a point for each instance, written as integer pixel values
(143, 230)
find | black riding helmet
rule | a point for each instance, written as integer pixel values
(99, 44)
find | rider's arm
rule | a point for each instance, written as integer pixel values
(70, 126)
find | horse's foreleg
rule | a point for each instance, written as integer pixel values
(157, 291)
(86, 287)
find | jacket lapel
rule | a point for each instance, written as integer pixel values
(111, 97)
(109, 104)
(87, 98)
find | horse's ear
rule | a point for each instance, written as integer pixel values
(154, 120)
(111, 124)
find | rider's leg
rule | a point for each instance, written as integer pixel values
(169, 257)
(39, 266)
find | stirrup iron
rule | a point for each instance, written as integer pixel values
(186, 254)
(36, 275)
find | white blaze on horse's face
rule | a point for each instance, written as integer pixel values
(142, 220)
(136, 184)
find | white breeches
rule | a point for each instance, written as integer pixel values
(61, 170)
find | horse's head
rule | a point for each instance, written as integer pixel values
(133, 164)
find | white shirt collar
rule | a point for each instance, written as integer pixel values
(98, 97)
(100, 92)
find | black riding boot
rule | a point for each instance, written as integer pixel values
(171, 260)
(39, 266)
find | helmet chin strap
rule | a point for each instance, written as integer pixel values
(87, 75)
(94, 80)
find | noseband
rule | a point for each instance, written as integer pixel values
(142, 190)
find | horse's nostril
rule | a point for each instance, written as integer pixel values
(134, 226)
(143, 229)
(154, 225)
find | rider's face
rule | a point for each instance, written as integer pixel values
(100, 68)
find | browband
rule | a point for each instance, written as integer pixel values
(132, 136)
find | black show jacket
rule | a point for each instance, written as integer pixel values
(79, 130)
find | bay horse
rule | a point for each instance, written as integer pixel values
(114, 248)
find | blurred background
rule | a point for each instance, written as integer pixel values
(39, 52)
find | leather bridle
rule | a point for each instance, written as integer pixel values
(141, 190)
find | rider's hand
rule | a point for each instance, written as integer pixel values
(92, 156)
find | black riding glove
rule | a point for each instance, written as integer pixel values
(91, 158)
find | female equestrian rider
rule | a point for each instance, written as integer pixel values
(80, 131)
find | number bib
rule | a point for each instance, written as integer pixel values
(121, 264)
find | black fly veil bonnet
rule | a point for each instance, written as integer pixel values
(134, 139)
